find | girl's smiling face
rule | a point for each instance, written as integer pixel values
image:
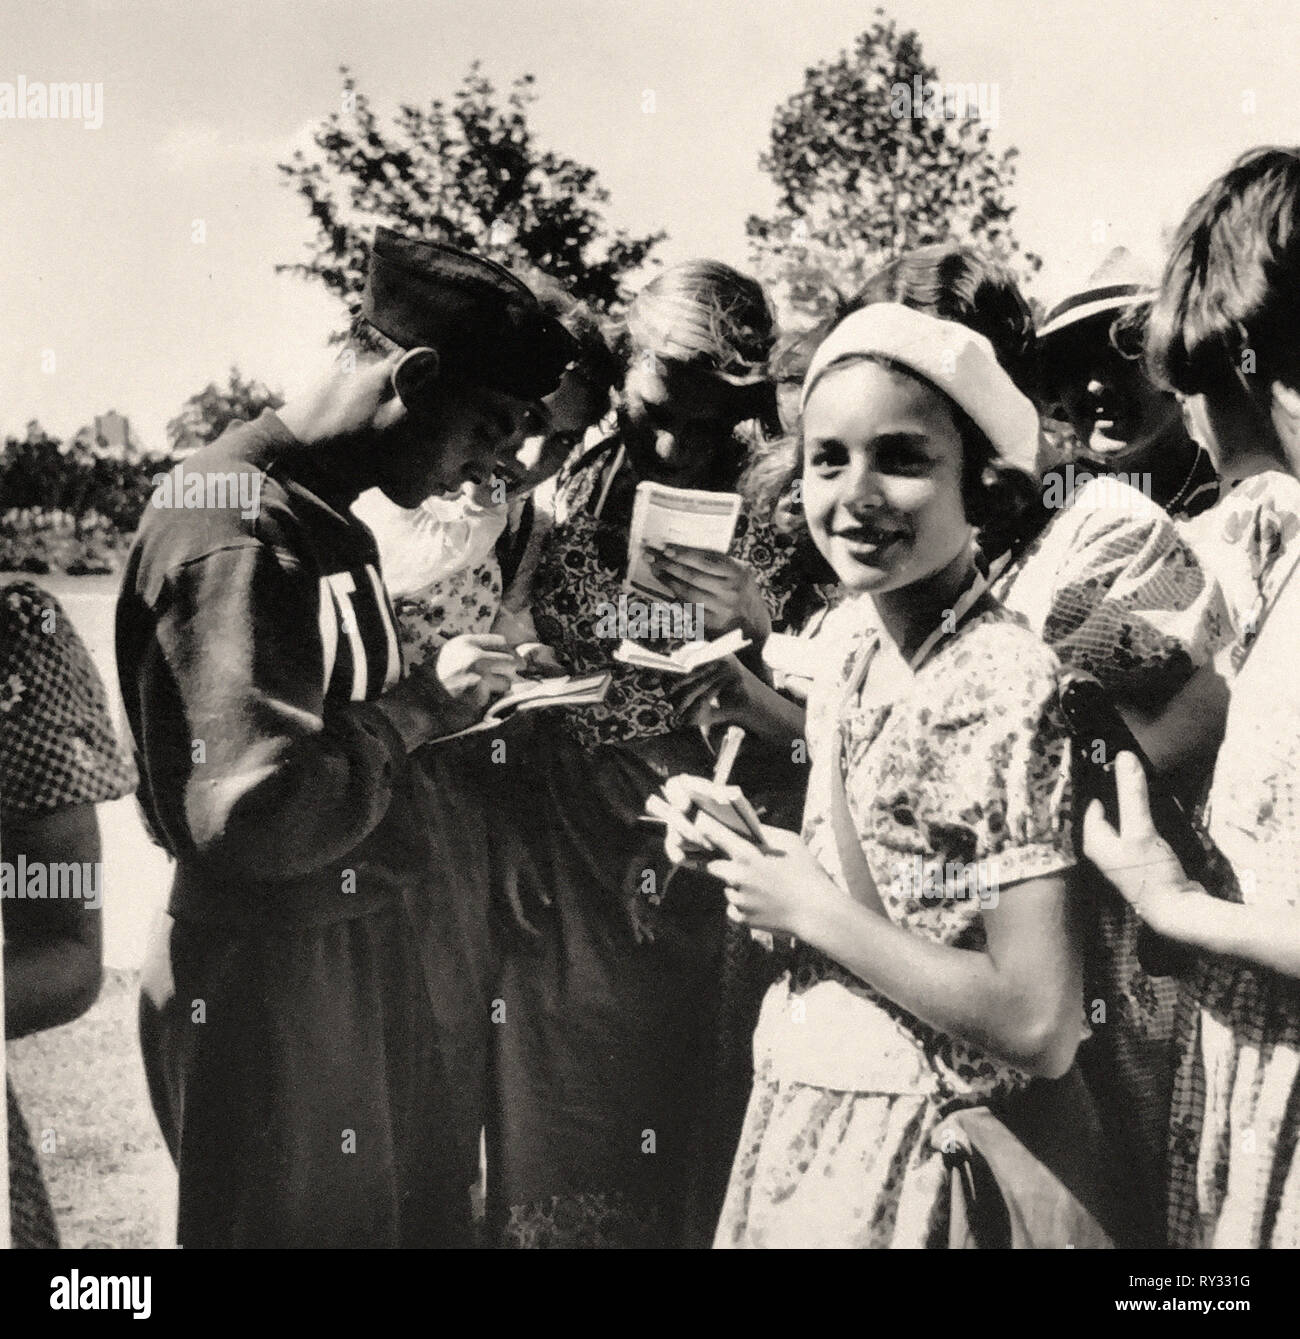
(882, 477)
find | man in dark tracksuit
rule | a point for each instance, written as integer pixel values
(299, 1063)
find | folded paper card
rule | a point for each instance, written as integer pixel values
(686, 658)
(687, 516)
(563, 690)
(727, 804)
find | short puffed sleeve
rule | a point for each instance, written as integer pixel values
(57, 746)
(971, 776)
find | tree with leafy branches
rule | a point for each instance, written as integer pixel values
(206, 415)
(468, 172)
(865, 170)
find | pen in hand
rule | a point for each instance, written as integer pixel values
(727, 752)
(725, 761)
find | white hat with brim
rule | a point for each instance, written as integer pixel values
(953, 358)
(1093, 302)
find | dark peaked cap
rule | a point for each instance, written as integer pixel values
(486, 325)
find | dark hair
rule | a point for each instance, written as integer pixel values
(959, 283)
(596, 363)
(954, 283)
(1232, 283)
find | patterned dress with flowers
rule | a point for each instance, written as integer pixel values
(57, 749)
(580, 574)
(465, 601)
(1244, 540)
(1234, 1140)
(1123, 593)
(440, 567)
(626, 996)
(957, 789)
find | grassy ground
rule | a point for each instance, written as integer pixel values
(109, 1176)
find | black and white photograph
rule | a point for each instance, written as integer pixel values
(639, 626)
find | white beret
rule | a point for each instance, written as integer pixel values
(952, 357)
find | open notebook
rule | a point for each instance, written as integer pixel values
(686, 658)
(564, 690)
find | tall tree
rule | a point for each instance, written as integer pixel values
(206, 415)
(468, 172)
(874, 156)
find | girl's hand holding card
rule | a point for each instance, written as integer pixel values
(689, 799)
(778, 886)
(683, 842)
(723, 586)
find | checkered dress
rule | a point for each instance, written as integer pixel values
(57, 748)
(1118, 592)
(1235, 1123)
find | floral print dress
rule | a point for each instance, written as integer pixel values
(1244, 540)
(1235, 1125)
(1120, 592)
(440, 567)
(964, 777)
(580, 572)
(625, 1002)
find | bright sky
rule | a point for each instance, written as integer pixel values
(1121, 109)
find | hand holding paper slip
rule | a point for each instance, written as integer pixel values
(794, 657)
(689, 795)
(691, 517)
(565, 690)
(686, 658)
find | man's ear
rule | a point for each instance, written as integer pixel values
(414, 376)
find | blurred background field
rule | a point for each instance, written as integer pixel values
(136, 873)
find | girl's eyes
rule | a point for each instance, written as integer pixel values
(907, 461)
(903, 458)
(828, 456)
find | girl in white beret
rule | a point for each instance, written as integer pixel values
(935, 961)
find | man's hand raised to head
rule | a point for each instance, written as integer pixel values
(351, 403)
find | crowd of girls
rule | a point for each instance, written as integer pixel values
(899, 539)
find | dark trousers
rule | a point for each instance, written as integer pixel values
(299, 1081)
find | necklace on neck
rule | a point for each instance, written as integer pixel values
(1173, 502)
(973, 589)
